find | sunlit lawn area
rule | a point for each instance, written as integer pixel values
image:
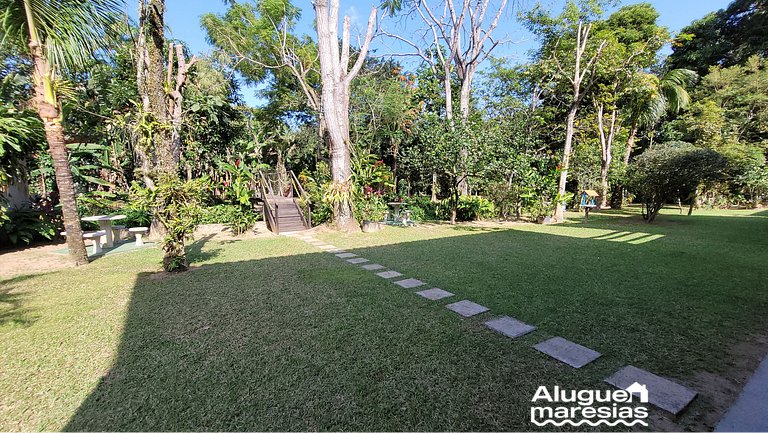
(273, 334)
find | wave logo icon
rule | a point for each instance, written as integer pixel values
(594, 408)
(590, 423)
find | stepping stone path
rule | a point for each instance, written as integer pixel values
(357, 261)
(434, 294)
(467, 308)
(510, 327)
(409, 283)
(664, 393)
(573, 354)
(389, 274)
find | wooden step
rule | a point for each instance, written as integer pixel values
(289, 216)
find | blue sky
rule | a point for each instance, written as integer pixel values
(183, 19)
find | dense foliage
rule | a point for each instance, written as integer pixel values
(673, 171)
(500, 158)
(178, 204)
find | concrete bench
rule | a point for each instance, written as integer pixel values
(116, 232)
(95, 238)
(139, 232)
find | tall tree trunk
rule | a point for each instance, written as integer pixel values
(395, 153)
(434, 186)
(630, 142)
(464, 95)
(579, 73)
(448, 92)
(158, 157)
(175, 100)
(606, 150)
(155, 87)
(694, 197)
(336, 77)
(324, 145)
(48, 109)
(569, 131)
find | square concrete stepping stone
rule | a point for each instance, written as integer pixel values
(346, 255)
(661, 392)
(327, 247)
(372, 267)
(467, 308)
(409, 283)
(389, 274)
(357, 260)
(510, 327)
(434, 294)
(573, 354)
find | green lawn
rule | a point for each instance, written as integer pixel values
(274, 335)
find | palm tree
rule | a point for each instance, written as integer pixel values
(653, 97)
(61, 35)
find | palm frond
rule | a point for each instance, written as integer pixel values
(653, 110)
(72, 31)
(674, 88)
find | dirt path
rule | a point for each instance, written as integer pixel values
(40, 258)
(32, 260)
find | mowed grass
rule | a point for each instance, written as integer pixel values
(667, 296)
(273, 334)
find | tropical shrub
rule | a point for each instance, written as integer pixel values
(422, 208)
(370, 207)
(240, 189)
(471, 208)
(25, 225)
(135, 217)
(313, 183)
(177, 205)
(673, 171)
(754, 183)
(371, 172)
(237, 218)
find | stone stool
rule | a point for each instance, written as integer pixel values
(139, 232)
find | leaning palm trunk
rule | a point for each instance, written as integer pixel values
(48, 110)
(54, 134)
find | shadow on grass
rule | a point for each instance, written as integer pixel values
(196, 252)
(467, 228)
(309, 342)
(304, 342)
(12, 309)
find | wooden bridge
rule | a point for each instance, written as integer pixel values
(285, 204)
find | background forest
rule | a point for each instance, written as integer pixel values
(451, 130)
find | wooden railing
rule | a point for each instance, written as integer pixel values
(270, 212)
(302, 201)
(272, 185)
